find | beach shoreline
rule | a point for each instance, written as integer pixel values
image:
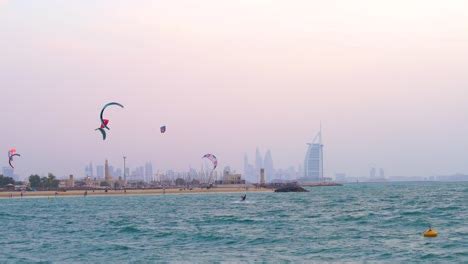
(131, 192)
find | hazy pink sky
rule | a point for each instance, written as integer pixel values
(388, 80)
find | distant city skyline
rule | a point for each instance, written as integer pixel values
(144, 173)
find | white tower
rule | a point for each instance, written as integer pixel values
(313, 164)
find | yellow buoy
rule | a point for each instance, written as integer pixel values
(430, 233)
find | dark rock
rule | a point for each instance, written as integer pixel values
(291, 188)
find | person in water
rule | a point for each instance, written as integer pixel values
(243, 197)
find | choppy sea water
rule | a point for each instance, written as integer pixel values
(353, 223)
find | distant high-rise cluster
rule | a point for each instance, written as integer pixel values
(268, 164)
(118, 173)
(89, 171)
(9, 172)
(148, 171)
(258, 160)
(373, 173)
(109, 176)
(252, 172)
(110, 172)
(138, 174)
(100, 172)
(340, 177)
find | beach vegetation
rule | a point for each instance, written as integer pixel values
(180, 182)
(49, 182)
(35, 181)
(4, 181)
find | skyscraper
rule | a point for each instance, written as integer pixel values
(268, 165)
(313, 164)
(138, 174)
(8, 172)
(246, 167)
(89, 170)
(148, 172)
(249, 171)
(262, 177)
(372, 173)
(382, 173)
(111, 171)
(126, 173)
(100, 172)
(258, 161)
(117, 173)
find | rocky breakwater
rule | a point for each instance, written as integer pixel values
(291, 188)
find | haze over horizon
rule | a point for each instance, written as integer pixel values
(387, 80)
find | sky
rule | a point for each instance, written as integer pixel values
(387, 80)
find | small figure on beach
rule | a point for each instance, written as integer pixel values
(85, 193)
(56, 193)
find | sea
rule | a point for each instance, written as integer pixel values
(354, 223)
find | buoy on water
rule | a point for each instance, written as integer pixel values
(430, 233)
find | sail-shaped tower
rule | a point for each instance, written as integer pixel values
(313, 163)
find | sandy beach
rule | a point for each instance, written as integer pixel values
(16, 194)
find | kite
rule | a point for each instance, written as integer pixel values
(103, 121)
(12, 153)
(103, 132)
(213, 159)
(163, 129)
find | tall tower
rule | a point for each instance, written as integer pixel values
(108, 176)
(246, 165)
(268, 165)
(262, 177)
(313, 163)
(247, 168)
(148, 172)
(91, 170)
(258, 160)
